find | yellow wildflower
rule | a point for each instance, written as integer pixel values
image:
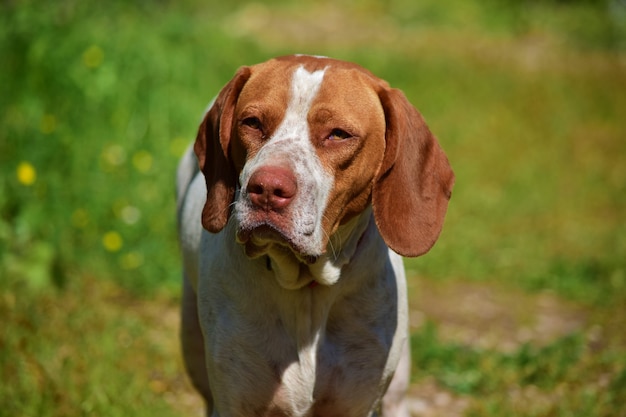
(26, 173)
(142, 161)
(93, 56)
(131, 260)
(113, 155)
(178, 146)
(112, 241)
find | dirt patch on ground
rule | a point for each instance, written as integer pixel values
(428, 399)
(485, 316)
(488, 316)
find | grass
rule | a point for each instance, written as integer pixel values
(98, 101)
(531, 381)
(91, 349)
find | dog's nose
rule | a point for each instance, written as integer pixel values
(272, 188)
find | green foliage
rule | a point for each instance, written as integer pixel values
(101, 100)
(70, 356)
(469, 370)
(101, 111)
(540, 192)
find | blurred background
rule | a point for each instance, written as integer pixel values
(520, 308)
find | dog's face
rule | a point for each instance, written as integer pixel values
(313, 136)
(302, 145)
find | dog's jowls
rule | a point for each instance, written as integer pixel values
(311, 177)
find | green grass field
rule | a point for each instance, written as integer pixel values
(520, 308)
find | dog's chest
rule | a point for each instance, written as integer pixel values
(314, 351)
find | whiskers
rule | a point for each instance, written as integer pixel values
(337, 236)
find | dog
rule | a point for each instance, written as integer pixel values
(308, 180)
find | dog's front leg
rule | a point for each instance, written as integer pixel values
(193, 345)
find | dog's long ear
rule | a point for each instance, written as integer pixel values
(414, 184)
(212, 151)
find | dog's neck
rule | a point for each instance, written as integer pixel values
(342, 246)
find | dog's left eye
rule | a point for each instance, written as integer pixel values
(252, 122)
(338, 134)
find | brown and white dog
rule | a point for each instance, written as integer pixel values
(314, 177)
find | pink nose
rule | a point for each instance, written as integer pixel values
(272, 188)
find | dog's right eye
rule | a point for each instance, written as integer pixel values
(252, 122)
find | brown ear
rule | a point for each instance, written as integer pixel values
(414, 184)
(212, 151)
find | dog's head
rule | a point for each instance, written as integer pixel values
(301, 145)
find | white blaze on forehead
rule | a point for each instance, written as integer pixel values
(304, 88)
(293, 139)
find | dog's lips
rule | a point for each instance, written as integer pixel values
(258, 240)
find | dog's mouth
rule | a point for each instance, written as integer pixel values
(259, 240)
